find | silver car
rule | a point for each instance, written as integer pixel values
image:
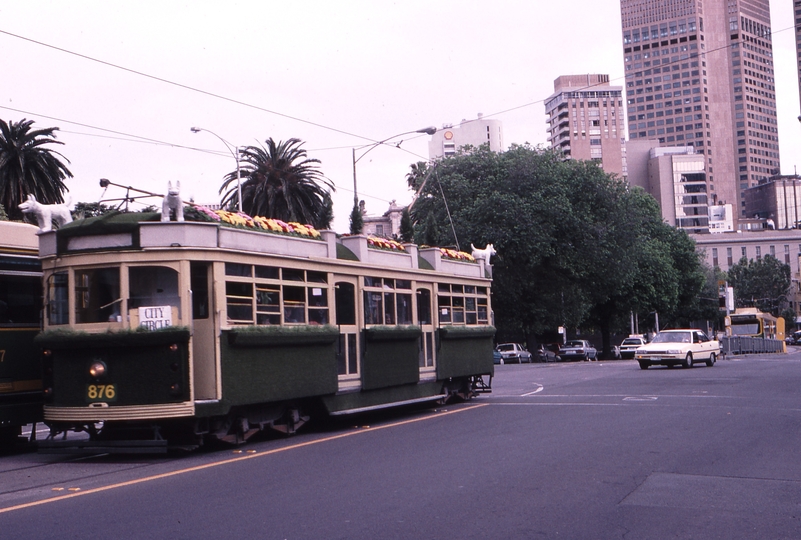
(578, 349)
(513, 353)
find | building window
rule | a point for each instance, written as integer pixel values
(786, 253)
(745, 251)
(759, 252)
(729, 260)
(715, 257)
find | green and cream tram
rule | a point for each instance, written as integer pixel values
(20, 321)
(163, 334)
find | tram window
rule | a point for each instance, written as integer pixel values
(58, 299)
(444, 287)
(266, 272)
(318, 305)
(423, 306)
(316, 277)
(403, 284)
(389, 284)
(268, 304)
(239, 301)
(199, 282)
(482, 311)
(97, 295)
(404, 308)
(294, 304)
(373, 307)
(458, 309)
(444, 303)
(236, 269)
(291, 274)
(471, 317)
(20, 300)
(345, 297)
(372, 281)
(466, 304)
(389, 308)
(152, 286)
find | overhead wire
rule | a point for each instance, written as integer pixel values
(137, 138)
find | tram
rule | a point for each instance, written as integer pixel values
(20, 316)
(165, 335)
(750, 322)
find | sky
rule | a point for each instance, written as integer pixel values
(125, 81)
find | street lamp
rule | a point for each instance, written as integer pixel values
(428, 131)
(234, 152)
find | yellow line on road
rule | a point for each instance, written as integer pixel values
(230, 461)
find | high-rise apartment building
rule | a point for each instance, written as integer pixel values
(585, 120)
(701, 74)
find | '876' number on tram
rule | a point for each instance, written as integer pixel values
(101, 392)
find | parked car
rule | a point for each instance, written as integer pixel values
(683, 346)
(631, 344)
(548, 352)
(513, 353)
(496, 357)
(578, 349)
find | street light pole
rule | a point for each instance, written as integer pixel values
(234, 152)
(428, 131)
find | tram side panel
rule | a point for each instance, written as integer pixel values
(268, 367)
(20, 380)
(464, 351)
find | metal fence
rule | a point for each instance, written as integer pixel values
(750, 345)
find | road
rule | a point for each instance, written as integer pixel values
(580, 450)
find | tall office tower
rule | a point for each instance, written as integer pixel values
(797, 17)
(585, 120)
(449, 139)
(701, 74)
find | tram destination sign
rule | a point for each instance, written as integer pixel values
(155, 317)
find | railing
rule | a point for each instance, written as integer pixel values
(750, 345)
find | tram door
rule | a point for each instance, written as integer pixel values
(203, 333)
(425, 318)
(346, 311)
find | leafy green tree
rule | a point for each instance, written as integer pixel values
(576, 246)
(28, 167)
(86, 210)
(406, 226)
(356, 220)
(763, 283)
(278, 181)
(327, 216)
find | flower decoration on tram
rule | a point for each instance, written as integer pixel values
(456, 255)
(384, 243)
(259, 223)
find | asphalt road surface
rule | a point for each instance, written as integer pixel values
(583, 450)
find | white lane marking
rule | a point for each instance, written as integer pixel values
(640, 398)
(539, 389)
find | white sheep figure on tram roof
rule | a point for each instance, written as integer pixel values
(485, 253)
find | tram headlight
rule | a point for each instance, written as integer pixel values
(97, 369)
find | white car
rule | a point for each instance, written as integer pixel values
(630, 345)
(672, 347)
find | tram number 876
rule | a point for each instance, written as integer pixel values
(101, 392)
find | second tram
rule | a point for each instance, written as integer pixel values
(20, 315)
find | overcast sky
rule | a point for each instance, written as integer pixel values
(124, 82)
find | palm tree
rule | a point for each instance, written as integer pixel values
(279, 182)
(27, 168)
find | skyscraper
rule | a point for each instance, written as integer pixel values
(797, 17)
(701, 74)
(585, 120)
